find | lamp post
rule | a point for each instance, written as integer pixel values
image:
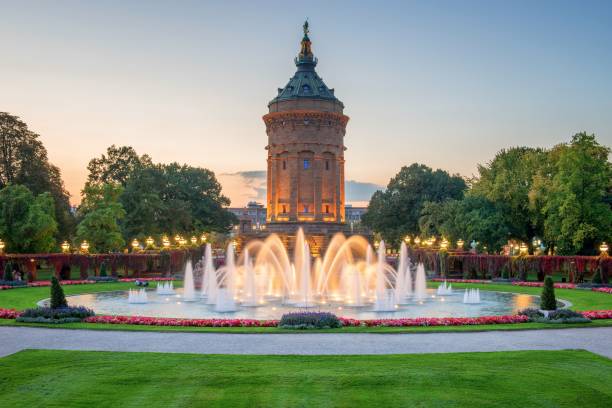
(203, 238)
(444, 244)
(135, 245)
(165, 242)
(460, 244)
(2, 246)
(407, 239)
(603, 248)
(417, 241)
(150, 242)
(523, 250)
(177, 238)
(85, 247)
(194, 240)
(65, 247)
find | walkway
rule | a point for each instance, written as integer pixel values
(596, 340)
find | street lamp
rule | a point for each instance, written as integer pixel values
(407, 239)
(523, 249)
(150, 242)
(603, 248)
(165, 242)
(135, 245)
(194, 240)
(177, 238)
(85, 247)
(460, 244)
(444, 244)
(417, 241)
(2, 246)
(182, 241)
(203, 238)
(65, 247)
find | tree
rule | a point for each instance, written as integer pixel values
(27, 222)
(577, 197)
(548, 300)
(100, 213)
(58, 299)
(174, 198)
(23, 160)
(395, 212)
(506, 181)
(473, 218)
(116, 166)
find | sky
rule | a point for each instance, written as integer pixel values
(444, 83)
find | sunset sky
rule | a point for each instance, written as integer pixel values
(442, 83)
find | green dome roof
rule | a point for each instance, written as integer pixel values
(305, 83)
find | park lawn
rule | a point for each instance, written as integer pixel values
(53, 378)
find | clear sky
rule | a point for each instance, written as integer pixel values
(445, 83)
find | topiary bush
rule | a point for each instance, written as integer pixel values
(69, 314)
(532, 314)
(103, 270)
(547, 299)
(567, 316)
(58, 299)
(309, 320)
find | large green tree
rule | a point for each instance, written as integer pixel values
(507, 181)
(473, 218)
(577, 196)
(174, 198)
(100, 213)
(27, 222)
(116, 166)
(23, 160)
(395, 212)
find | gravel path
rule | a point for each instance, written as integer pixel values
(596, 340)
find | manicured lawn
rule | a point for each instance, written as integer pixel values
(506, 379)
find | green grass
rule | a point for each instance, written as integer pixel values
(505, 379)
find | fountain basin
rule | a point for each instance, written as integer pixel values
(432, 305)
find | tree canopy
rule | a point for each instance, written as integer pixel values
(395, 212)
(27, 222)
(24, 161)
(116, 166)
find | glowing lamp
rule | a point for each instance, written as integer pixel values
(460, 244)
(150, 242)
(203, 238)
(165, 242)
(444, 244)
(523, 248)
(603, 248)
(177, 237)
(407, 239)
(135, 244)
(85, 247)
(65, 247)
(376, 244)
(2, 246)
(194, 240)
(417, 240)
(182, 241)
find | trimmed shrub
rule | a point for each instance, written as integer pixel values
(103, 270)
(548, 300)
(567, 316)
(8, 272)
(58, 299)
(103, 278)
(13, 283)
(309, 320)
(532, 314)
(69, 314)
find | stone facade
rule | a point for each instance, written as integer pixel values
(305, 127)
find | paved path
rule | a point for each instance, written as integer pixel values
(13, 339)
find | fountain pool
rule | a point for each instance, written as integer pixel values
(433, 305)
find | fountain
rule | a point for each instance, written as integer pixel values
(420, 283)
(226, 288)
(385, 296)
(189, 294)
(137, 296)
(165, 288)
(471, 296)
(403, 285)
(444, 289)
(209, 277)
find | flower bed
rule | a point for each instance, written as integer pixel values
(540, 284)
(483, 281)
(168, 321)
(407, 322)
(145, 279)
(603, 290)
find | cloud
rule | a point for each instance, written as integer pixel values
(244, 186)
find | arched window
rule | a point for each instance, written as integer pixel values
(306, 88)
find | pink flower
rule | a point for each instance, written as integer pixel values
(603, 290)
(9, 314)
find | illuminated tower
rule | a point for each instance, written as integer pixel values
(305, 127)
